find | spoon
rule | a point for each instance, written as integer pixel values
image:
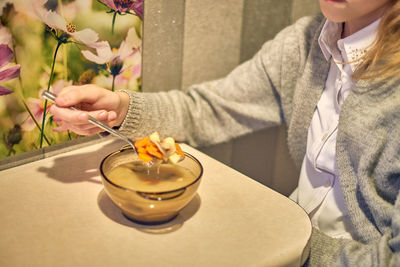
(52, 97)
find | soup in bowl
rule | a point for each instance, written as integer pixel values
(149, 194)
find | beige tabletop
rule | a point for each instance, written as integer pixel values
(54, 212)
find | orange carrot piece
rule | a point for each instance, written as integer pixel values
(145, 157)
(147, 149)
(179, 150)
(141, 150)
(153, 150)
(142, 142)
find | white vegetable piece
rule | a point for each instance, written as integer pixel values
(175, 158)
(155, 137)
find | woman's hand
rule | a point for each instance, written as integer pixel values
(103, 105)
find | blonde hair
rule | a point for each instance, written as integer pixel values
(382, 60)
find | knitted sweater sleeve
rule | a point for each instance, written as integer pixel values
(246, 100)
(382, 251)
(369, 160)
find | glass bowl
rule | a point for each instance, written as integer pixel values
(145, 201)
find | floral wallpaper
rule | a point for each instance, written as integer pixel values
(49, 44)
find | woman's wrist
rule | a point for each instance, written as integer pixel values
(123, 106)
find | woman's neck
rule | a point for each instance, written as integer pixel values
(353, 26)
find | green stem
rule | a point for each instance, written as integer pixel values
(113, 82)
(20, 94)
(35, 121)
(48, 89)
(113, 22)
(65, 62)
(65, 48)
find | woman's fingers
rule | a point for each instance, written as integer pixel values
(91, 100)
(77, 121)
(61, 128)
(112, 116)
(80, 117)
(81, 130)
(76, 95)
(68, 115)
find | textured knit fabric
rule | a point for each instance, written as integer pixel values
(282, 83)
(319, 191)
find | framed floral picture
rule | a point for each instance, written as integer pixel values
(51, 44)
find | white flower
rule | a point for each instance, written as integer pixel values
(72, 9)
(54, 20)
(105, 55)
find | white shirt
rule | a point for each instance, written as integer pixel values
(319, 191)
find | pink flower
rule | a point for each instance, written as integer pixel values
(5, 36)
(6, 55)
(125, 6)
(128, 77)
(114, 58)
(36, 106)
(57, 22)
(133, 72)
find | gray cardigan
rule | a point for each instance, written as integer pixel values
(282, 83)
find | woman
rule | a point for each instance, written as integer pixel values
(335, 82)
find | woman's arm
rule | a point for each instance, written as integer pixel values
(246, 100)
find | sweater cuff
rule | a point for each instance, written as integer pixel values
(132, 119)
(325, 249)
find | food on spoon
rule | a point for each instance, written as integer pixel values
(152, 148)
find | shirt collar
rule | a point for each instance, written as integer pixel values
(348, 49)
(328, 38)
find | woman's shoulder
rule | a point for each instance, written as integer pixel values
(309, 24)
(301, 34)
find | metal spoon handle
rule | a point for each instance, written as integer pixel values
(52, 97)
